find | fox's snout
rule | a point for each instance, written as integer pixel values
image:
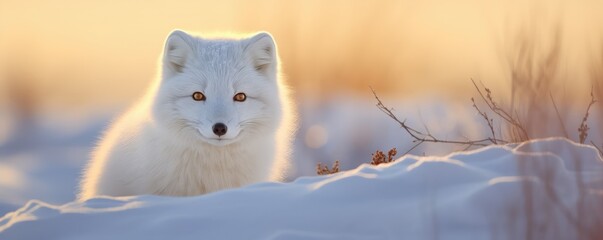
(219, 129)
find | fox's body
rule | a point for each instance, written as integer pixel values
(218, 117)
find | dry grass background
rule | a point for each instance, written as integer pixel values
(77, 53)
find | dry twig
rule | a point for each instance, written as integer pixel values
(583, 129)
(521, 133)
(559, 116)
(597, 147)
(422, 137)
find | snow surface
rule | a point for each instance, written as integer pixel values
(544, 189)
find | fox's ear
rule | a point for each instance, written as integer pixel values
(176, 52)
(262, 51)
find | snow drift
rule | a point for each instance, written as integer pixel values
(544, 189)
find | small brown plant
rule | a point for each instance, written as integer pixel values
(379, 157)
(324, 170)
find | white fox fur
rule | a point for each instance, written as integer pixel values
(164, 145)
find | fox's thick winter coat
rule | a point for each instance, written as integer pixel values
(217, 117)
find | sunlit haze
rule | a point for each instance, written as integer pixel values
(78, 53)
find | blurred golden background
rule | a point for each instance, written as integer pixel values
(94, 54)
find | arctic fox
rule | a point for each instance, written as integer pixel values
(217, 117)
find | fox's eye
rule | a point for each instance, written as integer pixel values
(240, 97)
(198, 96)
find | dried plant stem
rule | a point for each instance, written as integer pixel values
(520, 131)
(597, 147)
(559, 116)
(489, 121)
(583, 129)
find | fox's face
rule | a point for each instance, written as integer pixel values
(218, 91)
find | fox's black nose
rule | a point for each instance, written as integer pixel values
(219, 129)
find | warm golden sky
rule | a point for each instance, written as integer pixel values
(106, 52)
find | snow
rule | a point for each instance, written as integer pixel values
(44, 158)
(543, 189)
